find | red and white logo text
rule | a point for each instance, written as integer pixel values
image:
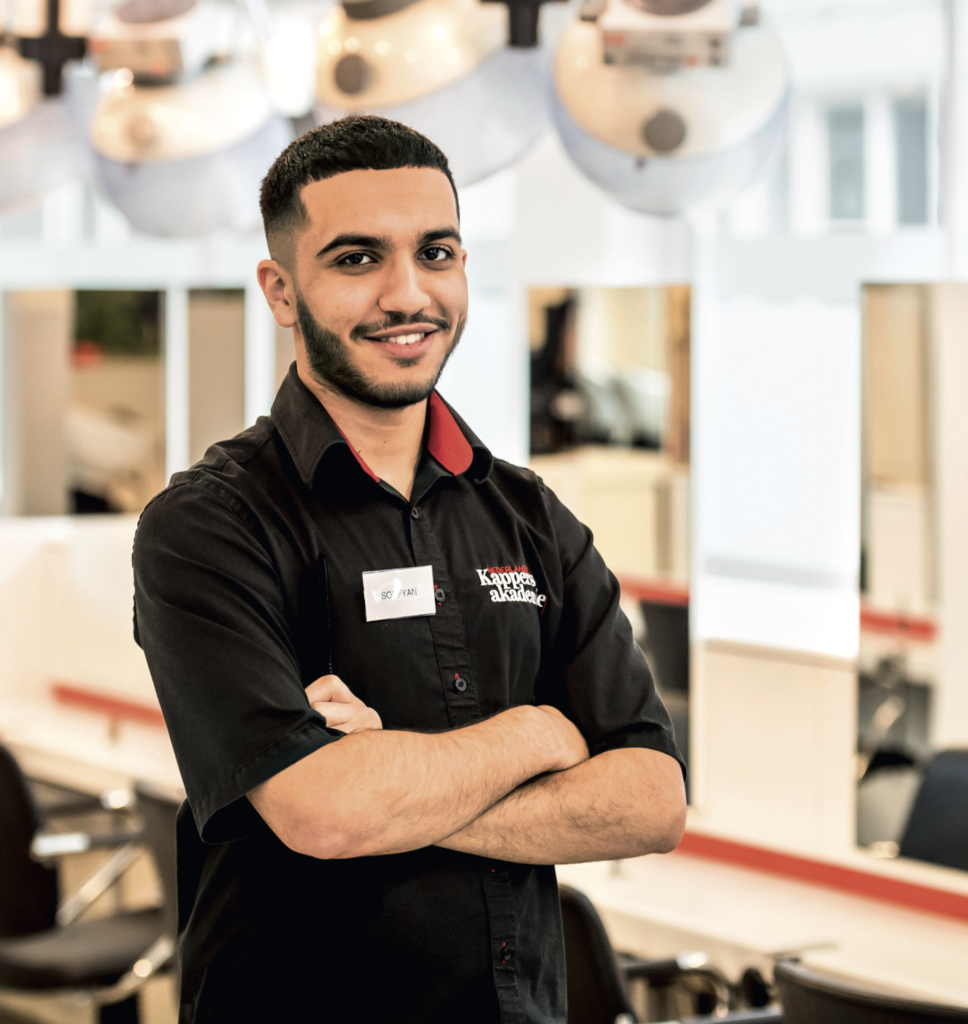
(512, 583)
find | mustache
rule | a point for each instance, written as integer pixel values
(398, 320)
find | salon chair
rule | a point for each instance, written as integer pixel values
(808, 998)
(937, 828)
(46, 948)
(667, 648)
(598, 977)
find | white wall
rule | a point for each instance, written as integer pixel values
(66, 605)
(778, 473)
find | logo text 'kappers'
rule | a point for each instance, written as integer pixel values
(509, 584)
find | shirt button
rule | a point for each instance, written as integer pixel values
(460, 685)
(415, 512)
(439, 595)
(507, 954)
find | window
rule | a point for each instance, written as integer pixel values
(845, 133)
(911, 146)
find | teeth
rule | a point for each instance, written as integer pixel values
(406, 339)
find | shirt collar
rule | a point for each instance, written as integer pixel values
(309, 433)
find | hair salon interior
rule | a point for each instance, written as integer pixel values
(718, 272)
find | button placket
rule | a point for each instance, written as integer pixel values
(503, 920)
(459, 692)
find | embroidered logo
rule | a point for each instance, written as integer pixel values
(512, 583)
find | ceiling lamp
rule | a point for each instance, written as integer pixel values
(443, 67)
(39, 146)
(670, 105)
(185, 130)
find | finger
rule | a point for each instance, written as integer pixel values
(328, 688)
(358, 718)
(336, 715)
(348, 717)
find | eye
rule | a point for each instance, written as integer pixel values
(356, 259)
(436, 254)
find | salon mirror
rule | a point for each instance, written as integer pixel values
(610, 436)
(911, 666)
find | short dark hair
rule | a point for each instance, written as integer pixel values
(354, 143)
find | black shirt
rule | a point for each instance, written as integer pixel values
(248, 586)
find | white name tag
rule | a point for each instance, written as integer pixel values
(399, 593)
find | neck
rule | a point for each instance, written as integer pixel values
(387, 440)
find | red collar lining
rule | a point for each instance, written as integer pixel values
(445, 441)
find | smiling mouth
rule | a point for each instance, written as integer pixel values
(402, 340)
(406, 339)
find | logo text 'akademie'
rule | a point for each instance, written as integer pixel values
(511, 583)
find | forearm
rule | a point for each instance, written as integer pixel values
(379, 792)
(622, 803)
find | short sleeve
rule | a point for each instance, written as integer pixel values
(210, 617)
(597, 675)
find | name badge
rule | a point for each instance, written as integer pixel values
(399, 593)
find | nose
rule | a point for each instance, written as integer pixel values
(404, 290)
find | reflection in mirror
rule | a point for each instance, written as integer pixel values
(115, 421)
(610, 436)
(898, 654)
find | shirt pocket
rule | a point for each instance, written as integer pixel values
(502, 607)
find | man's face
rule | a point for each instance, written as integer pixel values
(381, 294)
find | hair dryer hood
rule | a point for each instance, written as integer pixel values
(442, 67)
(666, 143)
(40, 147)
(184, 160)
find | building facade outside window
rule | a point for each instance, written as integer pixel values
(845, 136)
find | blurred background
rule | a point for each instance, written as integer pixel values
(718, 266)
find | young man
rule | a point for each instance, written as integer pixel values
(381, 769)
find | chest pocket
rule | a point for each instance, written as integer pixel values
(503, 605)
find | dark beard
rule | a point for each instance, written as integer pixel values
(331, 364)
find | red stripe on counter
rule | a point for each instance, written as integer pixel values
(657, 591)
(871, 620)
(830, 876)
(116, 708)
(891, 624)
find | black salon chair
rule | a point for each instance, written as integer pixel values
(159, 812)
(667, 647)
(45, 949)
(809, 998)
(598, 977)
(937, 828)
(28, 893)
(597, 992)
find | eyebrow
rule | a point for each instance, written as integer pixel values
(383, 243)
(380, 242)
(438, 235)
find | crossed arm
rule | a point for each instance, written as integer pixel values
(518, 787)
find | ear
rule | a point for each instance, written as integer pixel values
(277, 286)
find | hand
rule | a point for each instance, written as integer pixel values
(571, 746)
(334, 700)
